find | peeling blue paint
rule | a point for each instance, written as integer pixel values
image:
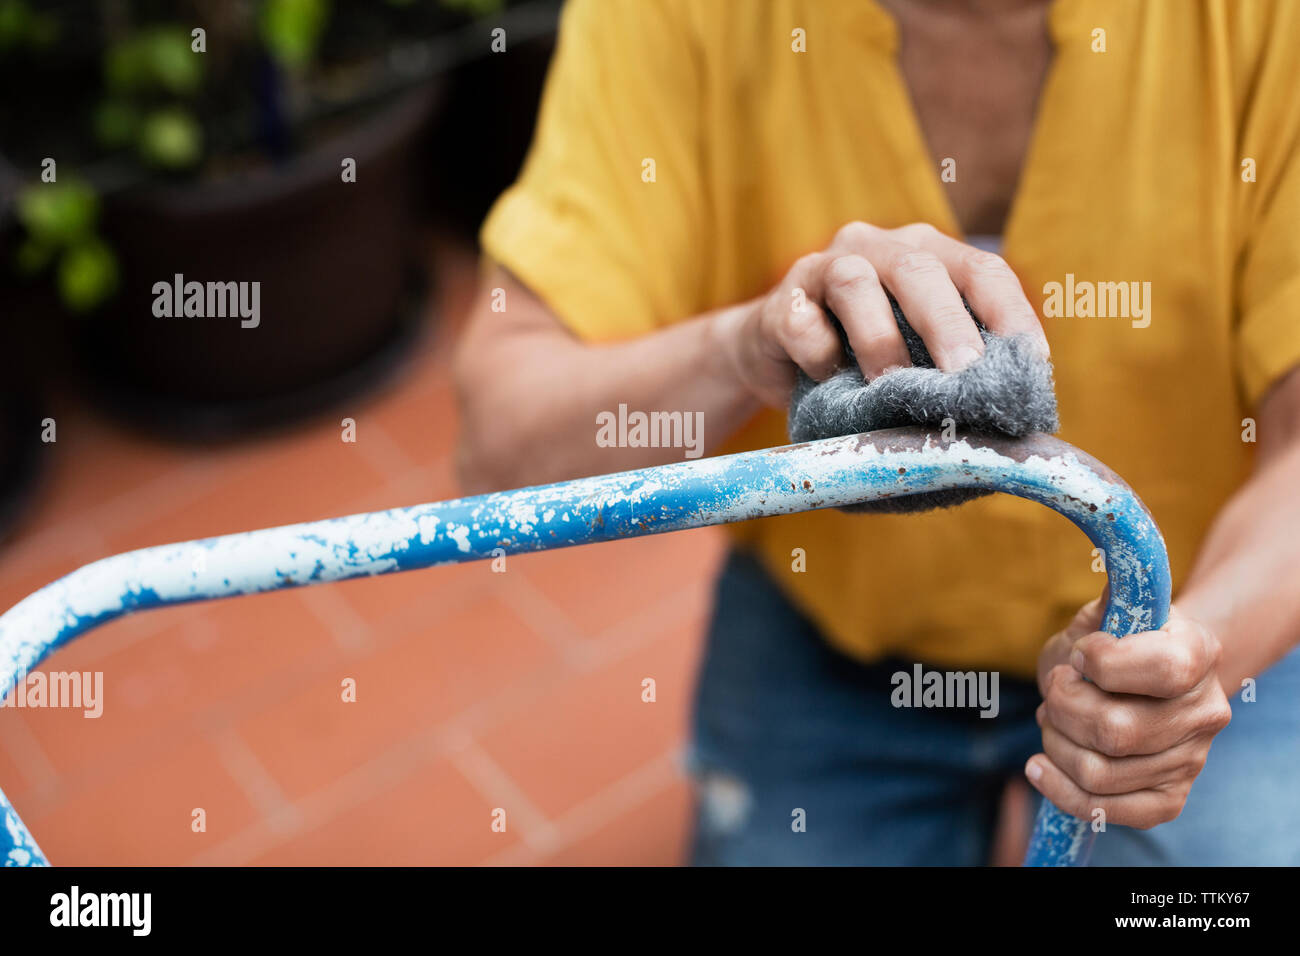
(688, 494)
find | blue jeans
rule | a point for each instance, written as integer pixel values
(800, 758)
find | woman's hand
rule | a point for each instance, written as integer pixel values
(1132, 737)
(926, 271)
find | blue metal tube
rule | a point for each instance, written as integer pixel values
(689, 494)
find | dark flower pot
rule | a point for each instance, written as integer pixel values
(338, 268)
(492, 102)
(22, 453)
(30, 351)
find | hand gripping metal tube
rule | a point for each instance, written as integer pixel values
(689, 494)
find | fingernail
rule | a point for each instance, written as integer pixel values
(1033, 771)
(963, 356)
(1076, 660)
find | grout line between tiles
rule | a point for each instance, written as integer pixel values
(606, 805)
(496, 786)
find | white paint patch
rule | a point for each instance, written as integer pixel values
(459, 534)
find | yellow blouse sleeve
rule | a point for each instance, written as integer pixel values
(1268, 337)
(605, 221)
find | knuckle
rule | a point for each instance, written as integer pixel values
(1182, 668)
(1056, 678)
(1117, 732)
(982, 264)
(854, 233)
(808, 262)
(1171, 807)
(847, 273)
(916, 232)
(1192, 768)
(1163, 809)
(1094, 771)
(795, 323)
(1220, 715)
(1212, 648)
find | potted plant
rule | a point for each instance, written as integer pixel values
(224, 193)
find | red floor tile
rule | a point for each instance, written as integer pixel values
(586, 734)
(193, 660)
(144, 817)
(305, 476)
(384, 598)
(122, 463)
(434, 817)
(422, 678)
(654, 833)
(21, 576)
(597, 586)
(16, 777)
(418, 419)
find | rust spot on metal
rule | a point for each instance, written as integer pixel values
(916, 439)
(807, 485)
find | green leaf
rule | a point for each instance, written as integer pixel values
(58, 213)
(291, 29)
(158, 58)
(171, 138)
(88, 275)
(126, 65)
(172, 64)
(15, 22)
(116, 123)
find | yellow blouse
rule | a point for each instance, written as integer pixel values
(687, 153)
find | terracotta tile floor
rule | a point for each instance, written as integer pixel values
(475, 690)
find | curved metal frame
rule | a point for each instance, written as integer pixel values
(689, 494)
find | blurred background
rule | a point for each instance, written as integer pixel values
(119, 429)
